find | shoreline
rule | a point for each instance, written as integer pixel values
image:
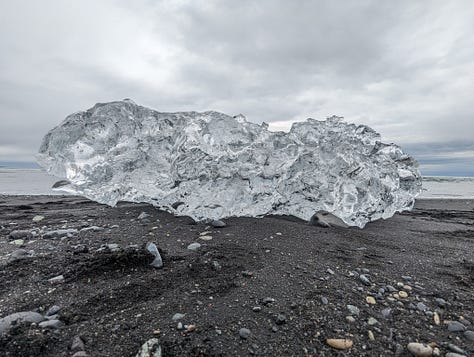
(289, 284)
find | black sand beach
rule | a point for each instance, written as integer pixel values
(288, 283)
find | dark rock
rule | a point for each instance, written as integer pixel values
(456, 326)
(218, 224)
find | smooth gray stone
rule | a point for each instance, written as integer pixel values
(53, 310)
(244, 333)
(19, 317)
(150, 348)
(52, 324)
(20, 234)
(158, 261)
(455, 326)
(218, 223)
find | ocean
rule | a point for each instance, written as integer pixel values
(37, 182)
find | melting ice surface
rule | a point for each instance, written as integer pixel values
(212, 165)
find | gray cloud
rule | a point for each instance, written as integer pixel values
(405, 68)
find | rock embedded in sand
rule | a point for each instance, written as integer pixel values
(50, 324)
(194, 246)
(178, 316)
(469, 335)
(150, 348)
(19, 317)
(370, 300)
(244, 333)
(37, 218)
(57, 279)
(158, 261)
(403, 294)
(354, 310)
(340, 343)
(456, 326)
(20, 234)
(420, 349)
(218, 223)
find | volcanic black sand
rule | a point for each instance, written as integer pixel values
(288, 283)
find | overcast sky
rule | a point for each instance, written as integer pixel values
(405, 68)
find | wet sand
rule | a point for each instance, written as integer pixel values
(288, 283)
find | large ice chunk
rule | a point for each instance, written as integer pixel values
(212, 165)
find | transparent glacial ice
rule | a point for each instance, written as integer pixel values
(211, 165)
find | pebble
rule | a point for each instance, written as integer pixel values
(19, 242)
(20, 234)
(453, 354)
(419, 349)
(20, 254)
(244, 333)
(364, 279)
(455, 349)
(218, 223)
(113, 247)
(354, 310)
(330, 271)
(91, 228)
(150, 348)
(57, 279)
(58, 233)
(280, 319)
(350, 319)
(370, 300)
(77, 344)
(23, 316)
(268, 300)
(177, 316)
(372, 321)
(469, 335)
(257, 308)
(194, 246)
(37, 218)
(51, 324)
(455, 326)
(53, 310)
(436, 318)
(340, 343)
(390, 289)
(441, 302)
(206, 238)
(403, 294)
(81, 354)
(371, 336)
(179, 326)
(422, 307)
(386, 313)
(324, 300)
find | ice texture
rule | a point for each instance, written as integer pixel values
(211, 165)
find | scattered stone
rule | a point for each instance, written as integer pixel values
(20, 234)
(354, 310)
(179, 326)
(280, 319)
(58, 233)
(91, 228)
(364, 279)
(390, 289)
(205, 237)
(150, 348)
(53, 310)
(18, 242)
(372, 321)
(157, 262)
(37, 218)
(370, 300)
(453, 354)
(80, 354)
(194, 246)
(244, 333)
(191, 328)
(113, 247)
(330, 271)
(420, 349)
(20, 254)
(268, 300)
(143, 215)
(371, 336)
(178, 316)
(456, 326)
(421, 307)
(386, 313)
(324, 300)
(77, 344)
(50, 324)
(57, 279)
(456, 349)
(469, 335)
(218, 223)
(340, 343)
(403, 294)
(19, 317)
(441, 302)
(436, 319)
(350, 319)
(257, 309)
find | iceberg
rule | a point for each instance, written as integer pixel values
(210, 165)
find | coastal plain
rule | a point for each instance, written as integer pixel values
(271, 286)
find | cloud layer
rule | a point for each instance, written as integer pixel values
(405, 68)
